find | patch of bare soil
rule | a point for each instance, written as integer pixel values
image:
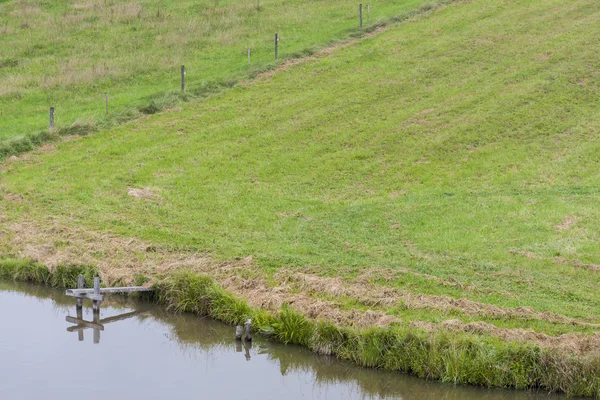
(570, 343)
(567, 223)
(11, 197)
(141, 193)
(527, 254)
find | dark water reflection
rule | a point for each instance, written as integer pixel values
(152, 354)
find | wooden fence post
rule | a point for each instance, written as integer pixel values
(182, 78)
(276, 46)
(360, 9)
(51, 119)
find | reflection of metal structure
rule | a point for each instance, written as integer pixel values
(97, 294)
(97, 297)
(96, 324)
(247, 347)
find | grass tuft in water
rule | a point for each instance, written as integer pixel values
(63, 276)
(24, 270)
(292, 327)
(66, 276)
(188, 292)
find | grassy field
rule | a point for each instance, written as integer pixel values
(68, 53)
(453, 156)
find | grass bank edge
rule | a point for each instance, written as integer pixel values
(459, 358)
(164, 100)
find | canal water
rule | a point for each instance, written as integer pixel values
(147, 353)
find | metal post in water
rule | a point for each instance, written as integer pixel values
(248, 325)
(96, 303)
(97, 321)
(80, 285)
(248, 346)
(80, 317)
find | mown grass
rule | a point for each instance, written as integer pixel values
(439, 147)
(457, 147)
(67, 53)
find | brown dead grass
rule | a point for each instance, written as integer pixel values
(570, 343)
(120, 259)
(377, 295)
(141, 193)
(567, 223)
(577, 264)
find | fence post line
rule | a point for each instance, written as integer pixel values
(276, 46)
(368, 12)
(360, 12)
(182, 78)
(248, 58)
(51, 119)
(106, 101)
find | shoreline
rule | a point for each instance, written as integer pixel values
(443, 355)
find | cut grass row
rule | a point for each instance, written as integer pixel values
(67, 54)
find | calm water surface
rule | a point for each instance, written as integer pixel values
(148, 353)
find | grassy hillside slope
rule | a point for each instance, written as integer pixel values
(68, 53)
(450, 157)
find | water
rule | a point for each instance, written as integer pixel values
(152, 354)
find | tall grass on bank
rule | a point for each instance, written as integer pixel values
(452, 357)
(62, 276)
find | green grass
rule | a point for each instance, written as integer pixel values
(457, 149)
(67, 53)
(446, 145)
(62, 276)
